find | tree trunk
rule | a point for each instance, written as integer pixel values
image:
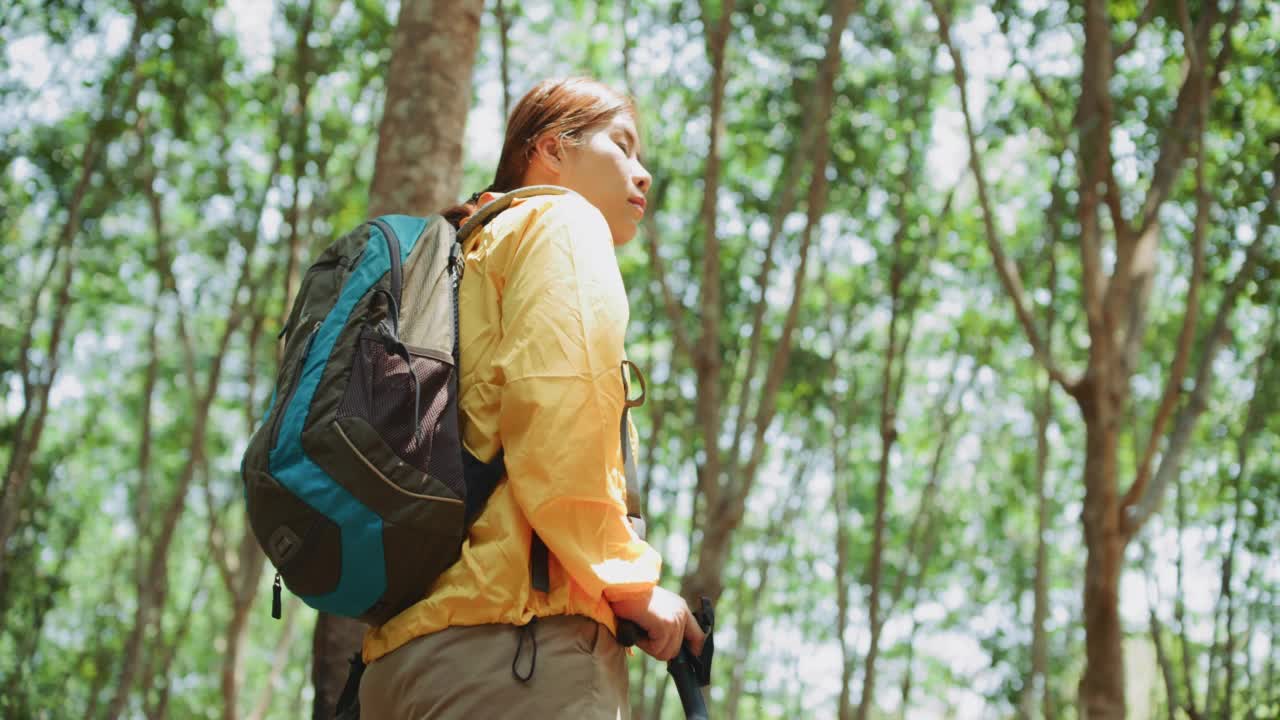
(1102, 686)
(726, 492)
(748, 616)
(1187, 653)
(35, 409)
(888, 434)
(901, 310)
(159, 665)
(707, 361)
(279, 659)
(154, 580)
(504, 56)
(153, 589)
(1254, 423)
(659, 696)
(1162, 654)
(844, 582)
(242, 603)
(241, 579)
(417, 170)
(1038, 680)
(28, 641)
(334, 642)
(100, 655)
(419, 160)
(1115, 306)
(905, 701)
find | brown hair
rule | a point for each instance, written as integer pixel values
(567, 108)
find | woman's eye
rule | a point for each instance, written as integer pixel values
(623, 146)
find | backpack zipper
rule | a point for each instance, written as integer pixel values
(293, 386)
(340, 261)
(455, 275)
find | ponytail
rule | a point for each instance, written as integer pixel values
(456, 214)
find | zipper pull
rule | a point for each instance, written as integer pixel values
(275, 598)
(455, 257)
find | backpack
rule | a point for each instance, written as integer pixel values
(356, 483)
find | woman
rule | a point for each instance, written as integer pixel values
(543, 317)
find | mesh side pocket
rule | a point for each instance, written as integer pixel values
(381, 392)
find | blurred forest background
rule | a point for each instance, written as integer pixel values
(959, 318)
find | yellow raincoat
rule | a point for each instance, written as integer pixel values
(543, 317)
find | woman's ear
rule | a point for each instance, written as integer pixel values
(549, 151)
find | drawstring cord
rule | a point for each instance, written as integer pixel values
(531, 631)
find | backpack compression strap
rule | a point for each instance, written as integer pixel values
(628, 460)
(538, 553)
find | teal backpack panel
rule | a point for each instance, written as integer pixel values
(363, 576)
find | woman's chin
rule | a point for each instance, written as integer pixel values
(624, 234)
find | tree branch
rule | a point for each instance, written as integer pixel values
(1175, 139)
(1092, 122)
(707, 358)
(164, 263)
(1059, 131)
(816, 120)
(627, 44)
(674, 310)
(1141, 502)
(214, 536)
(946, 411)
(1005, 268)
(504, 62)
(786, 194)
(1148, 12)
(816, 204)
(280, 657)
(1173, 383)
(1157, 638)
(18, 468)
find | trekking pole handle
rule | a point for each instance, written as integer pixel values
(681, 668)
(686, 680)
(630, 633)
(686, 668)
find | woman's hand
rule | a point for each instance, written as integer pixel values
(666, 619)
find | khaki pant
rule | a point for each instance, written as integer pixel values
(578, 671)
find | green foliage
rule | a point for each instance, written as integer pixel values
(207, 113)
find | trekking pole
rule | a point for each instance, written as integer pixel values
(690, 672)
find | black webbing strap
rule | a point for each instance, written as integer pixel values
(348, 707)
(482, 478)
(397, 274)
(539, 564)
(628, 459)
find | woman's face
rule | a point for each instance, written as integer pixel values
(604, 167)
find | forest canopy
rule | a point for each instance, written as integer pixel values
(960, 323)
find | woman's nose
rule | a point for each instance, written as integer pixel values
(643, 179)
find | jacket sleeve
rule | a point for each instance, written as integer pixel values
(564, 317)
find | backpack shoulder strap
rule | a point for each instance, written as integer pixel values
(491, 210)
